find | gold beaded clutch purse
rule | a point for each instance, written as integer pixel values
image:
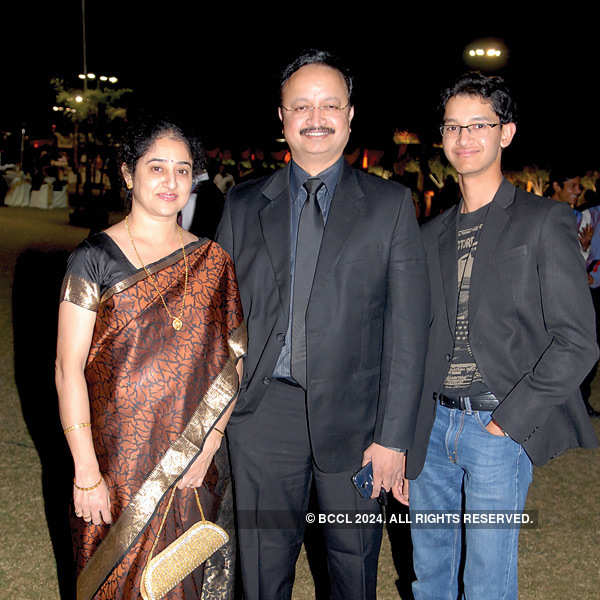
(165, 570)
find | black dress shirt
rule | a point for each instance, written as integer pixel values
(298, 194)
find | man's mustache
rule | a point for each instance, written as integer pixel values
(317, 130)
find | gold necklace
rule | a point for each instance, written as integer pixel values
(177, 323)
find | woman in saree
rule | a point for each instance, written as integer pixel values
(149, 340)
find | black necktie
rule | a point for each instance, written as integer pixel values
(310, 232)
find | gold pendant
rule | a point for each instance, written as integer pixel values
(177, 324)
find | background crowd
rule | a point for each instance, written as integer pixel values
(89, 176)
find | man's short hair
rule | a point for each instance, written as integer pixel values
(318, 57)
(489, 87)
(562, 175)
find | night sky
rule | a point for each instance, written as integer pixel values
(216, 67)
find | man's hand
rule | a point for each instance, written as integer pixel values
(401, 491)
(585, 236)
(388, 467)
(494, 429)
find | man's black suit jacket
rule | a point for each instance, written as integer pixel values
(208, 210)
(367, 316)
(531, 322)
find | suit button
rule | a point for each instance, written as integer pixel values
(448, 357)
(281, 338)
(267, 380)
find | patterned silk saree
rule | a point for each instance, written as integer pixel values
(154, 395)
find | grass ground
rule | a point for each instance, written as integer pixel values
(559, 560)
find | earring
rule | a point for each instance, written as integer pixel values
(129, 186)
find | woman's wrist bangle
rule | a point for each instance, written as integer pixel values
(88, 489)
(219, 431)
(77, 426)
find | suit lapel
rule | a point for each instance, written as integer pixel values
(275, 227)
(496, 220)
(449, 265)
(345, 212)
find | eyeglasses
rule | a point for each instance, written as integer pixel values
(476, 129)
(325, 109)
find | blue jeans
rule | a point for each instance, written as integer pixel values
(468, 469)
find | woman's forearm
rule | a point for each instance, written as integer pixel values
(75, 327)
(74, 409)
(222, 422)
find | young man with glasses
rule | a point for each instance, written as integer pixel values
(334, 288)
(511, 338)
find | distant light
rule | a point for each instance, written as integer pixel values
(55, 108)
(78, 98)
(91, 76)
(280, 140)
(113, 79)
(81, 76)
(488, 54)
(103, 78)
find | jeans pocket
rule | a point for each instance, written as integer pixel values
(483, 418)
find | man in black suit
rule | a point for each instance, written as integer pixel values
(511, 338)
(202, 213)
(334, 288)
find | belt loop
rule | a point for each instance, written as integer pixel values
(467, 404)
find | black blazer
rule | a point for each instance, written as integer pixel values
(208, 210)
(531, 320)
(367, 314)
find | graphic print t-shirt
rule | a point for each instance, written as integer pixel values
(464, 378)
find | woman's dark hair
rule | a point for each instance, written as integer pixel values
(318, 57)
(489, 87)
(141, 135)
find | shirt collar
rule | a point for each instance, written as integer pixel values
(504, 195)
(329, 176)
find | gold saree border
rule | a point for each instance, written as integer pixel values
(153, 268)
(81, 292)
(124, 532)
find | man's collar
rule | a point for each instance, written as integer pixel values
(330, 176)
(504, 195)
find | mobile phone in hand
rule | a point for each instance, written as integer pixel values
(363, 482)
